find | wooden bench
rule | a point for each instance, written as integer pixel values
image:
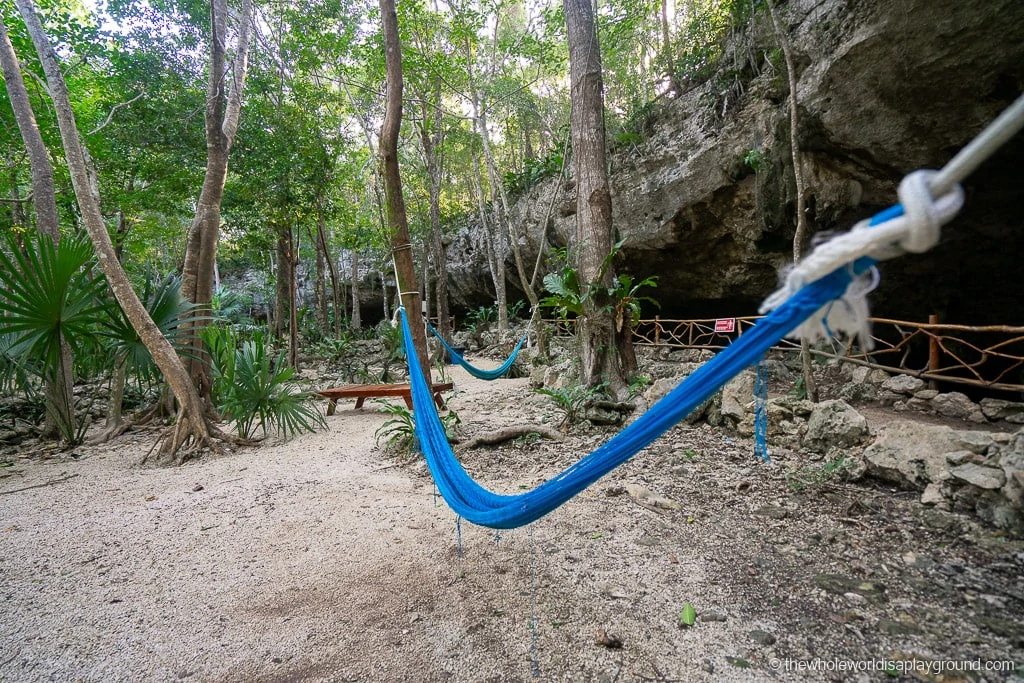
(360, 392)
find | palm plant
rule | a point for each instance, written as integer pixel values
(256, 390)
(50, 299)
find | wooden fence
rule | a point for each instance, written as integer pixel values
(990, 357)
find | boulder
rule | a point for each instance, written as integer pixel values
(903, 384)
(737, 394)
(957, 405)
(834, 423)
(998, 409)
(989, 478)
(911, 454)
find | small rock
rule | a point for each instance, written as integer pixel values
(762, 637)
(957, 405)
(926, 394)
(855, 598)
(608, 640)
(712, 616)
(903, 384)
(978, 475)
(999, 409)
(932, 494)
(957, 458)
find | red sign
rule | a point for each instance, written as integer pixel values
(725, 325)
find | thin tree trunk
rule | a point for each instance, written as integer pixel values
(356, 322)
(494, 257)
(320, 284)
(293, 300)
(223, 107)
(801, 201)
(598, 337)
(282, 288)
(431, 136)
(60, 403)
(332, 270)
(401, 249)
(191, 427)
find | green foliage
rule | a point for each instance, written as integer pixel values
(256, 390)
(171, 313)
(830, 470)
(572, 400)
(569, 295)
(754, 160)
(688, 616)
(399, 432)
(390, 337)
(515, 309)
(535, 170)
(637, 385)
(49, 296)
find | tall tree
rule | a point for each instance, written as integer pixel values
(223, 108)
(60, 402)
(401, 249)
(601, 344)
(810, 386)
(191, 427)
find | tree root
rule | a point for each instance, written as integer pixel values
(509, 433)
(184, 441)
(111, 432)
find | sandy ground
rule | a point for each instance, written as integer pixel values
(323, 559)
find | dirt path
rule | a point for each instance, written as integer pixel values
(321, 559)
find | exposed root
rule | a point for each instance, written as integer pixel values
(509, 433)
(185, 440)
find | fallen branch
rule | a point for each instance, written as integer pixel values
(39, 486)
(509, 433)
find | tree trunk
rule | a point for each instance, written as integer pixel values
(394, 202)
(191, 427)
(495, 260)
(332, 270)
(223, 106)
(282, 288)
(60, 403)
(431, 135)
(801, 201)
(293, 300)
(598, 338)
(320, 284)
(356, 322)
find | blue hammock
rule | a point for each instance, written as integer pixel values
(477, 372)
(478, 505)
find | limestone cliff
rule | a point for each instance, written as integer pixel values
(884, 88)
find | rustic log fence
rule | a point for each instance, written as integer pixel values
(988, 357)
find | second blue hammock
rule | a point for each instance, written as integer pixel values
(475, 371)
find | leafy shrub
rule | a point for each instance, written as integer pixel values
(399, 433)
(571, 400)
(255, 390)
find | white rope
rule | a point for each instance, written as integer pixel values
(929, 199)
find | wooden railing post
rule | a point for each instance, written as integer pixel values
(657, 329)
(933, 352)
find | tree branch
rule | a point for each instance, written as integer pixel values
(110, 116)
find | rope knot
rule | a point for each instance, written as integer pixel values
(924, 215)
